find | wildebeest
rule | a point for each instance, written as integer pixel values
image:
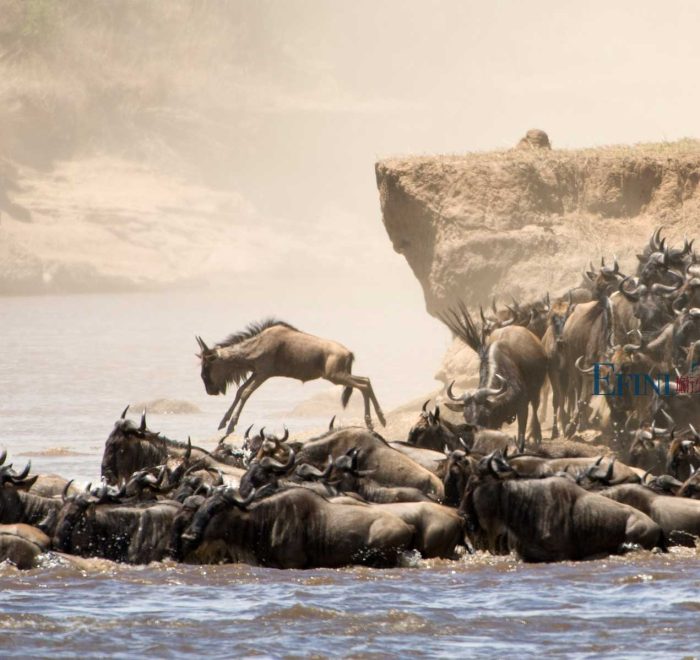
(512, 370)
(130, 448)
(22, 544)
(670, 513)
(433, 432)
(275, 348)
(294, 528)
(132, 532)
(549, 519)
(390, 467)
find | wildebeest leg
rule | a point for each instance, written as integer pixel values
(359, 383)
(245, 392)
(556, 404)
(522, 425)
(535, 428)
(236, 399)
(373, 399)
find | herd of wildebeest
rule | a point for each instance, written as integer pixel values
(619, 355)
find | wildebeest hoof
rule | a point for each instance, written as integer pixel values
(382, 420)
(222, 423)
(231, 426)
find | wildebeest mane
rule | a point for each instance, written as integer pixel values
(251, 330)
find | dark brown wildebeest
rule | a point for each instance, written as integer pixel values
(130, 448)
(294, 528)
(275, 348)
(512, 370)
(132, 532)
(549, 519)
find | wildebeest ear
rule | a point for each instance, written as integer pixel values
(455, 407)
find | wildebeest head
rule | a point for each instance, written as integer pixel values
(691, 486)
(130, 448)
(214, 374)
(431, 432)
(477, 406)
(223, 499)
(683, 458)
(458, 469)
(558, 314)
(11, 479)
(265, 472)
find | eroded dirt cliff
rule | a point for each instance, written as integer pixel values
(525, 222)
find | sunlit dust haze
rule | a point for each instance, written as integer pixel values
(229, 147)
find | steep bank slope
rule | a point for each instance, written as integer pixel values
(523, 222)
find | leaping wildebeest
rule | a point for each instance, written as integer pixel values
(275, 348)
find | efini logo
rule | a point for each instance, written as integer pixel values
(607, 381)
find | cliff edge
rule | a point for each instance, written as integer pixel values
(523, 222)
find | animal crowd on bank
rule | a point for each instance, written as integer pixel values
(351, 497)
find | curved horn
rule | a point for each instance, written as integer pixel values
(201, 343)
(188, 451)
(664, 289)
(142, 426)
(276, 466)
(493, 391)
(285, 437)
(64, 493)
(22, 475)
(609, 473)
(451, 395)
(125, 411)
(332, 423)
(3, 456)
(246, 435)
(654, 244)
(425, 405)
(632, 296)
(588, 370)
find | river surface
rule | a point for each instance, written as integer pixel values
(68, 365)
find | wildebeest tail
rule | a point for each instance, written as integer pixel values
(459, 321)
(347, 393)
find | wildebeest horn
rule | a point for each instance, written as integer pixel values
(425, 405)
(3, 456)
(493, 305)
(241, 504)
(599, 460)
(464, 444)
(22, 475)
(246, 435)
(142, 426)
(125, 411)
(451, 395)
(611, 466)
(588, 370)
(276, 466)
(64, 494)
(331, 423)
(201, 343)
(694, 432)
(484, 392)
(664, 289)
(188, 451)
(285, 437)
(668, 417)
(654, 244)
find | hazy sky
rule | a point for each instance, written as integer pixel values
(326, 88)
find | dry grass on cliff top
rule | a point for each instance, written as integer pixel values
(687, 147)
